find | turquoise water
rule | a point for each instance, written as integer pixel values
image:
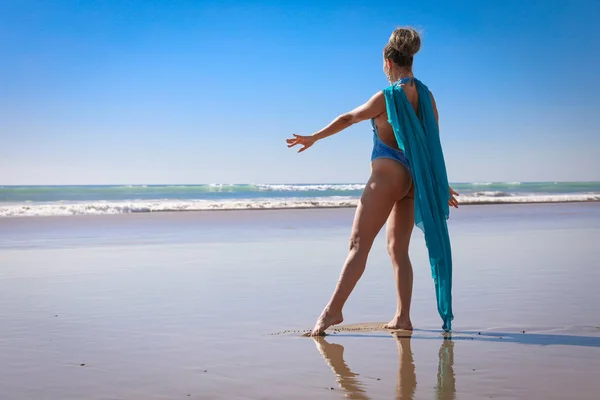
(115, 199)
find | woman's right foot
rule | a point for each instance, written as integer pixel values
(327, 319)
(399, 322)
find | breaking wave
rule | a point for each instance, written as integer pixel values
(31, 209)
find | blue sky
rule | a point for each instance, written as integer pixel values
(110, 92)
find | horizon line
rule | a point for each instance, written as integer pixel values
(279, 183)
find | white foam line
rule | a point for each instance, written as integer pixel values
(144, 206)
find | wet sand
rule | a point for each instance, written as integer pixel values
(212, 306)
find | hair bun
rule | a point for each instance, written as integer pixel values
(406, 41)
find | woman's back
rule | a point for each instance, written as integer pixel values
(384, 129)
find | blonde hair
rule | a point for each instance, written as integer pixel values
(403, 44)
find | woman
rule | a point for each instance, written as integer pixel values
(390, 192)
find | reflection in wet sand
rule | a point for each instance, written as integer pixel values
(406, 383)
(333, 354)
(446, 382)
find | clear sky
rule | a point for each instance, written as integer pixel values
(117, 92)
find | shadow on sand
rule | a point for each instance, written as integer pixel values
(540, 339)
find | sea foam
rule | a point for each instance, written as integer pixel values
(145, 206)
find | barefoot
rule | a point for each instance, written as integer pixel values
(326, 320)
(399, 322)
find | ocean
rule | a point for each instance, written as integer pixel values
(22, 201)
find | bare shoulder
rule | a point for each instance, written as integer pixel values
(371, 109)
(377, 98)
(377, 103)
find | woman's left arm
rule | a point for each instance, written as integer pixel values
(452, 202)
(371, 109)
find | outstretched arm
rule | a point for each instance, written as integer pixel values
(371, 109)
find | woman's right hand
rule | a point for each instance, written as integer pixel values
(304, 141)
(453, 202)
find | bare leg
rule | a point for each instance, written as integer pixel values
(399, 229)
(378, 199)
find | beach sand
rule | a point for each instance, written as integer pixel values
(212, 305)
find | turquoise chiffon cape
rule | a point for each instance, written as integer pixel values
(418, 136)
